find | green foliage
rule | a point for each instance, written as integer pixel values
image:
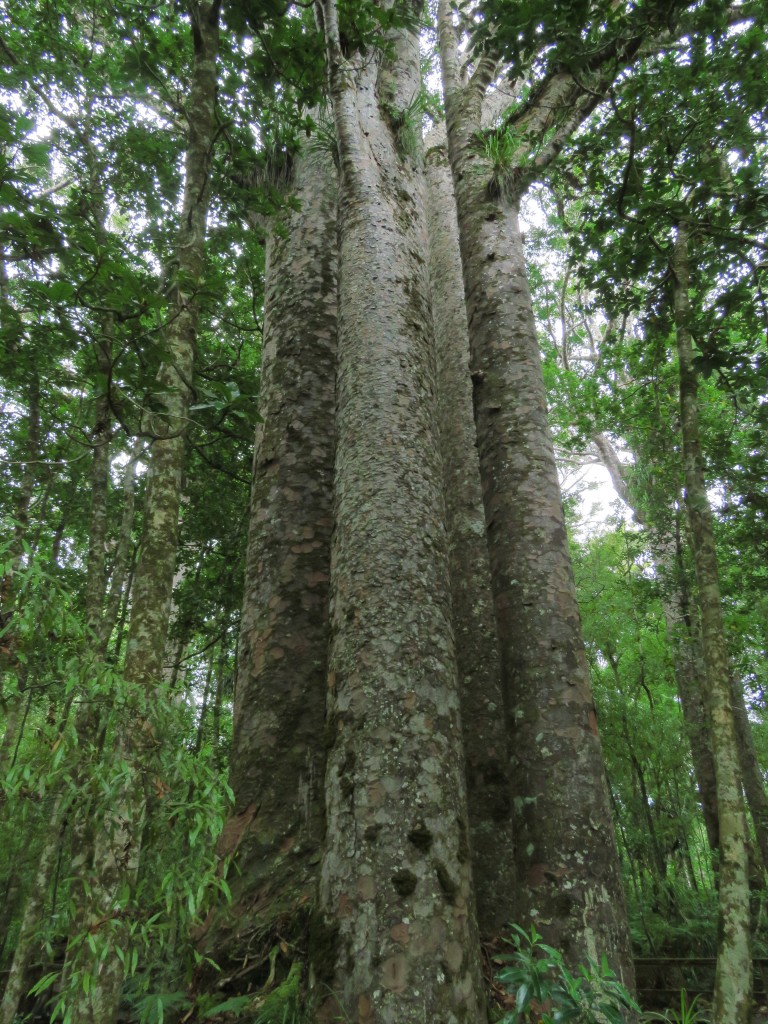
(407, 124)
(500, 146)
(79, 705)
(545, 990)
(282, 1006)
(323, 138)
(689, 1013)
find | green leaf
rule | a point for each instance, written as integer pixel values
(37, 153)
(236, 1005)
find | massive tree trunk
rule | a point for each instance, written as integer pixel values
(733, 980)
(477, 655)
(568, 866)
(115, 859)
(395, 940)
(278, 753)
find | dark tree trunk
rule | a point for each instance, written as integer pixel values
(484, 727)
(278, 748)
(569, 882)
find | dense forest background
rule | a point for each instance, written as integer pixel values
(169, 177)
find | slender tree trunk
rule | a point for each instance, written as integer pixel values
(123, 552)
(278, 756)
(568, 867)
(489, 789)
(751, 773)
(216, 710)
(96, 576)
(677, 615)
(733, 980)
(202, 721)
(124, 605)
(34, 907)
(396, 939)
(116, 853)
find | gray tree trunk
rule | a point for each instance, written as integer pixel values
(395, 940)
(485, 729)
(567, 862)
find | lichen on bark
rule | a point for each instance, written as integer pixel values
(484, 727)
(567, 863)
(406, 949)
(278, 750)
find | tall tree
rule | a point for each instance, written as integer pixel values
(733, 984)
(485, 729)
(569, 883)
(277, 824)
(395, 889)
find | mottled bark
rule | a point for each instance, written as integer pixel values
(116, 854)
(123, 552)
(278, 756)
(688, 667)
(485, 731)
(733, 978)
(395, 941)
(97, 538)
(568, 866)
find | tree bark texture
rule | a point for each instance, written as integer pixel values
(486, 754)
(733, 978)
(123, 552)
(395, 941)
(116, 854)
(278, 755)
(568, 866)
